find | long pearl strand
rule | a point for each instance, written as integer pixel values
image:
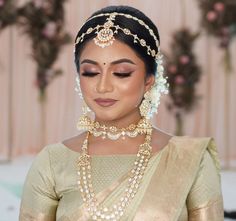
(115, 212)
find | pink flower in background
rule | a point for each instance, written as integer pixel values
(38, 3)
(184, 59)
(219, 6)
(172, 69)
(211, 16)
(36, 83)
(49, 30)
(225, 31)
(224, 41)
(179, 79)
(2, 2)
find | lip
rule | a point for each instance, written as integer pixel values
(105, 102)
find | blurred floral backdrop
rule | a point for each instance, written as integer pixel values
(39, 48)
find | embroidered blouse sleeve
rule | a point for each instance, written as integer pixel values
(39, 200)
(204, 201)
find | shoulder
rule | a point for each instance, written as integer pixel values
(160, 139)
(190, 146)
(53, 159)
(51, 150)
(198, 149)
(54, 153)
(75, 143)
(72, 144)
(189, 143)
(45, 156)
(191, 140)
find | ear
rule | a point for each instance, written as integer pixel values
(149, 81)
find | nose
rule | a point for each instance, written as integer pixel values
(104, 84)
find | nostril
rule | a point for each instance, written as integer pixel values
(104, 85)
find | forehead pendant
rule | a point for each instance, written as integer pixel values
(105, 36)
(104, 33)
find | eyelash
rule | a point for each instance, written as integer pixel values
(89, 74)
(120, 75)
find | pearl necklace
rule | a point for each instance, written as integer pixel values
(112, 132)
(115, 212)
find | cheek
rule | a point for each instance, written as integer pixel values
(87, 86)
(87, 89)
(132, 91)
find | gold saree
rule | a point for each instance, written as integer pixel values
(182, 183)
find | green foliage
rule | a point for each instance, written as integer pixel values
(219, 19)
(43, 22)
(8, 13)
(182, 71)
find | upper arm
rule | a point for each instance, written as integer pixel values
(39, 200)
(204, 201)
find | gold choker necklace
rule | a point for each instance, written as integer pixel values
(112, 132)
(95, 209)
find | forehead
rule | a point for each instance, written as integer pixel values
(118, 50)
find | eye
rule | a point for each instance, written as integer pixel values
(122, 74)
(89, 74)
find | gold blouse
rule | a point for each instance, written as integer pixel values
(181, 183)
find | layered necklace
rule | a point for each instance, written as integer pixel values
(96, 210)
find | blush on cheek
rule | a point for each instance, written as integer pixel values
(134, 97)
(87, 86)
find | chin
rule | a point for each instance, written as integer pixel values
(106, 116)
(114, 113)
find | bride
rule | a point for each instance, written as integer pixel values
(121, 167)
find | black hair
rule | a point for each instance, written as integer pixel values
(128, 23)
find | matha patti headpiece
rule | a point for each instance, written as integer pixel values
(105, 33)
(105, 37)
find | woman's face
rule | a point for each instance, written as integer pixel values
(113, 80)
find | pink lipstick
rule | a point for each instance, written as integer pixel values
(105, 102)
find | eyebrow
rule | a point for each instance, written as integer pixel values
(122, 60)
(89, 61)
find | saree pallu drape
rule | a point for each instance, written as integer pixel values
(181, 183)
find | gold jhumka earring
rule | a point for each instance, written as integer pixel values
(145, 106)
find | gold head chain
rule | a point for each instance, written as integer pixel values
(105, 33)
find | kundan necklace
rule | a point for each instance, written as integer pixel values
(115, 212)
(112, 132)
